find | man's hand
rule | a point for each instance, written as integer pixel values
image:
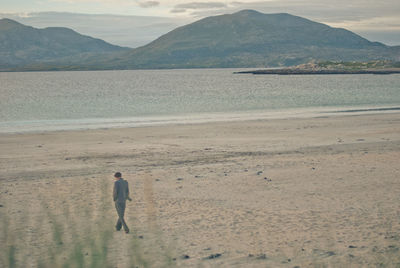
(130, 199)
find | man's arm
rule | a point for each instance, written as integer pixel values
(127, 192)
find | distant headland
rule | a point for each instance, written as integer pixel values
(331, 67)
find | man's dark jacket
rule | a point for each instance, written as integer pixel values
(121, 191)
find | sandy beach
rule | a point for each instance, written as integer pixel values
(309, 192)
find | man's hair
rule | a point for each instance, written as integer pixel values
(118, 175)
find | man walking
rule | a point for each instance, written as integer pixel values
(121, 194)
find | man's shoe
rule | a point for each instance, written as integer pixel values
(127, 231)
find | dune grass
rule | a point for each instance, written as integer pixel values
(74, 237)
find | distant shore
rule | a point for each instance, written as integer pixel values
(290, 71)
(333, 67)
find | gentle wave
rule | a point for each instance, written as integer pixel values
(370, 110)
(129, 122)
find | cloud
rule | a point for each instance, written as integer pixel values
(130, 31)
(98, 3)
(147, 4)
(178, 10)
(181, 8)
(110, 3)
(201, 5)
(366, 17)
(376, 24)
(375, 20)
(355, 15)
(324, 10)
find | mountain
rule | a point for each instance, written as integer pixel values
(244, 39)
(121, 30)
(252, 39)
(23, 45)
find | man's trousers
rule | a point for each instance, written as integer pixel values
(121, 212)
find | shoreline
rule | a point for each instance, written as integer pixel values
(39, 126)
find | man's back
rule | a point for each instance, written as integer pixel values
(121, 190)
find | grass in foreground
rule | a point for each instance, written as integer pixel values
(71, 236)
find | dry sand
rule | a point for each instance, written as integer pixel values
(317, 192)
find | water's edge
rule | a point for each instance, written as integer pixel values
(130, 122)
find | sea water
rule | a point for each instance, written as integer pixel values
(40, 101)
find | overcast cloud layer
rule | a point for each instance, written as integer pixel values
(126, 31)
(375, 20)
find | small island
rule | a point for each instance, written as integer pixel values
(331, 67)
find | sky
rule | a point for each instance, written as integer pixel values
(136, 22)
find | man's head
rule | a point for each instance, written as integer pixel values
(118, 175)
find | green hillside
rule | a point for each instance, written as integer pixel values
(21, 45)
(252, 39)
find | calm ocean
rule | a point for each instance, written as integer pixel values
(37, 101)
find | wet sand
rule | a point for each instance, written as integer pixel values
(310, 192)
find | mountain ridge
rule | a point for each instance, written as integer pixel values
(22, 45)
(246, 38)
(252, 39)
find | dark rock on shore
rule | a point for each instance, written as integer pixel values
(262, 257)
(213, 256)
